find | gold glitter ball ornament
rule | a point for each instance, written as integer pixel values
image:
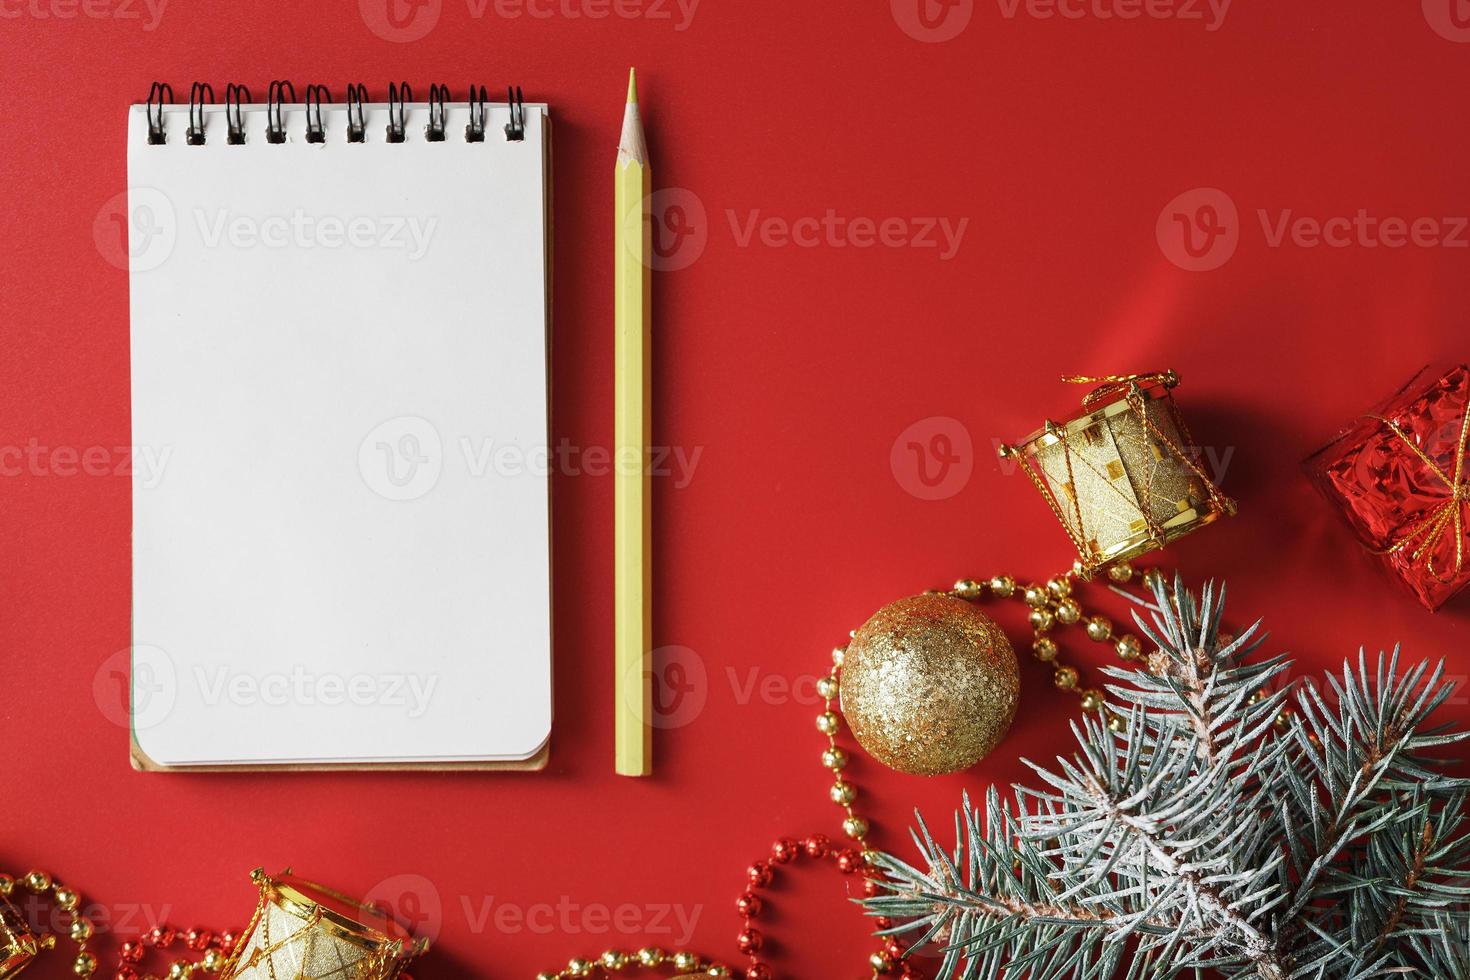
(929, 685)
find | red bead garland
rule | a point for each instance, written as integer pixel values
(215, 947)
(887, 960)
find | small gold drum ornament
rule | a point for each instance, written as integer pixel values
(303, 931)
(1122, 478)
(18, 943)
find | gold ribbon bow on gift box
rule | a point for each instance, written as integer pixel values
(1432, 527)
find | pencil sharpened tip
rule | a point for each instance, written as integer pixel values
(633, 86)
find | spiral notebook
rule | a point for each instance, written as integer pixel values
(340, 325)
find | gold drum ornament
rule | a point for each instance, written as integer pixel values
(304, 931)
(1122, 477)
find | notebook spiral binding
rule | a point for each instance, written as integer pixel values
(282, 93)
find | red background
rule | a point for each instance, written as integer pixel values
(793, 369)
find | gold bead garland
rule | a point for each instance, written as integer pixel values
(1051, 605)
(614, 961)
(834, 757)
(79, 927)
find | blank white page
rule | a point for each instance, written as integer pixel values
(339, 368)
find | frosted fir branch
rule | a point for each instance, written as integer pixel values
(1209, 835)
(1260, 948)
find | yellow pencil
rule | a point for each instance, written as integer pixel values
(631, 496)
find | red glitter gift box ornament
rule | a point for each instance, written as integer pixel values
(1398, 475)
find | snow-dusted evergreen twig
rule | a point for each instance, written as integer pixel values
(1212, 833)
